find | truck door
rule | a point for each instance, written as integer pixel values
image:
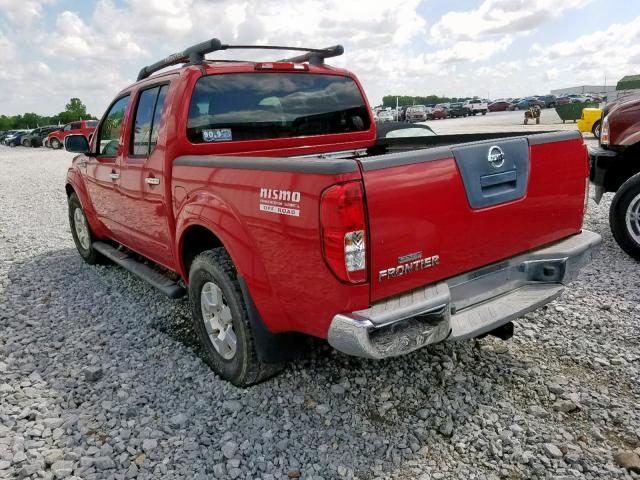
(101, 170)
(142, 210)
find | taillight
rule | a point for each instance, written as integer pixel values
(604, 131)
(344, 231)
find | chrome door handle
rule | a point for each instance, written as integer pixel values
(82, 163)
(114, 175)
(152, 181)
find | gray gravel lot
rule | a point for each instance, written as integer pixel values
(100, 377)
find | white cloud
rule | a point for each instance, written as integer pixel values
(614, 52)
(23, 11)
(500, 17)
(388, 44)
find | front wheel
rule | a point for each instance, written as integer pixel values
(81, 232)
(221, 320)
(596, 129)
(624, 216)
(55, 144)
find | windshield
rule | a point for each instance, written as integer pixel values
(252, 106)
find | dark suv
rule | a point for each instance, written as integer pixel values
(36, 137)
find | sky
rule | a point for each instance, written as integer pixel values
(52, 50)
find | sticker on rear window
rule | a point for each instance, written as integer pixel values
(217, 135)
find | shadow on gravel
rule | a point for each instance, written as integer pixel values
(327, 414)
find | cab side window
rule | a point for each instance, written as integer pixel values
(147, 120)
(111, 127)
(66, 128)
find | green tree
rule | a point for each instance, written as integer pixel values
(76, 108)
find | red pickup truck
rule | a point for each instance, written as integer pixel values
(262, 190)
(81, 127)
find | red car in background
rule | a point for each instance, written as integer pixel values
(499, 106)
(81, 127)
(438, 113)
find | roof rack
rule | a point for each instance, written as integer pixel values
(194, 55)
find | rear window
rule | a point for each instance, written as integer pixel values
(257, 106)
(92, 123)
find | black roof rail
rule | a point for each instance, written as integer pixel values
(194, 55)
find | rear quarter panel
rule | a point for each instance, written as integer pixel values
(279, 256)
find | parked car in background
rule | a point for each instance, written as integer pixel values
(385, 116)
(548, 100)
(528, 102)
(457, 109)
(476, 106)
(615, 167)
(499, 106)
(35, 138)
(13, 140)
(564, 100)
(81, 127)
(591, 121)
(417, 113)
(575, 98)
(5, 134)
(438, 113)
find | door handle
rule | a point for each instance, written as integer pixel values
(114, 175)
(152, 180)
(82, 163)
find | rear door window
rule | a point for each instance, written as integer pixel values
(147, 120)
(91, 123)
(257, 106)
(75, 125)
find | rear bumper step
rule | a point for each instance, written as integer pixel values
(167, 286)
(464, 306)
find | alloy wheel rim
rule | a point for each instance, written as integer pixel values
(632, 219)
(218, 322)
(82, 230)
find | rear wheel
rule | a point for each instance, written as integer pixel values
(624, 216)
(81, 231)
(221, 320)
(55, 143)
(25, 143)
(596, 129)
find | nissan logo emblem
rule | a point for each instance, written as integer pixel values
(496, 157)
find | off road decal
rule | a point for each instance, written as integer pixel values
(281, 202)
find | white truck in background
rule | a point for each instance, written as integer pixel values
(476, 106)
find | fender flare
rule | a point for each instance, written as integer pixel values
(76, 183)
(207, 210)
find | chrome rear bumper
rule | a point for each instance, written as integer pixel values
(464, 306)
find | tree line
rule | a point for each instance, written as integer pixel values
(74, 110)
(407, 101)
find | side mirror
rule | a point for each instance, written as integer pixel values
(76, 144)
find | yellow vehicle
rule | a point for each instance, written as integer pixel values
(590, 121)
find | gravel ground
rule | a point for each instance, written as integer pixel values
(100, 377)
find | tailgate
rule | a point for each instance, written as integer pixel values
(439, 212)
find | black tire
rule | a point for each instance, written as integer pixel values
(55, 144)
(244, 368)
(627, 197)
(25, 143)
(596, 129)
(89, 255)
